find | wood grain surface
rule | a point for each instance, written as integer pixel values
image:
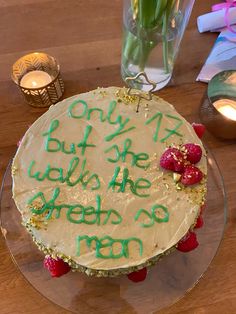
(85, 37)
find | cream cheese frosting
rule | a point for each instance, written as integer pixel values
(87, 180)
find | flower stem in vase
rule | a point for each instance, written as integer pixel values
(153, 30)
(167, 12)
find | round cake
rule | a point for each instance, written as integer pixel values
(88, 182)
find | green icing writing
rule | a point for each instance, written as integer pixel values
(153, 215)
(74, 104)
(139, 184)
(91, 110)
(77, 213)
(87, 113)
(122, 124)
(83, 144)
(53, 145)
(109, 243)
(73, 213)
(158, 117)
(122, 155)
(53, 126)
(57, 174)
(111, 109)
(173, 131)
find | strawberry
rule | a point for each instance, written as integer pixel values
(172, 159)
(138, 276)
(193, 152)
(188, 242)
(57, 267)
(191, 175)
(199, 222)
(199, 129)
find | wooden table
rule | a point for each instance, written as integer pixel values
(85, 36)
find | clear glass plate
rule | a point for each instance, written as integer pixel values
(169, 280)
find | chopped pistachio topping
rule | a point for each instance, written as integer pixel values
(127, 99)
(13, 170)
(178, 187)
(166, 185)
(176, 177)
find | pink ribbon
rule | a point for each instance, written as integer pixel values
(227, 5)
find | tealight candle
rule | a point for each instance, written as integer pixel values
(35, 79)
(218, 110)
(226, 107)
(39, 79)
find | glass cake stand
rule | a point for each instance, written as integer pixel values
(169, 280)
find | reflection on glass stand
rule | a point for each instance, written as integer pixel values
(167, 282)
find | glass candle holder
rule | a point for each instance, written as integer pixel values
(38, 77)
(218, 109)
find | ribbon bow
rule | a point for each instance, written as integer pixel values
(227, 5)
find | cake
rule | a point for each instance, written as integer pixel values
(92, 186)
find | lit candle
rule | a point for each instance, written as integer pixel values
(38, 77)
(227, 107)
(35, 79)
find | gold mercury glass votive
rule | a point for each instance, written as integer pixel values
(218, 109)
(38, 77)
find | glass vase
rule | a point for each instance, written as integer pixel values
(153, 30)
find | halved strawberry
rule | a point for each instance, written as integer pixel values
(193, 152)
(57, 267)
(188, 242)
(138, 276)
(199, 222)
(172, 159)
(191, 175)
(199, 129)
